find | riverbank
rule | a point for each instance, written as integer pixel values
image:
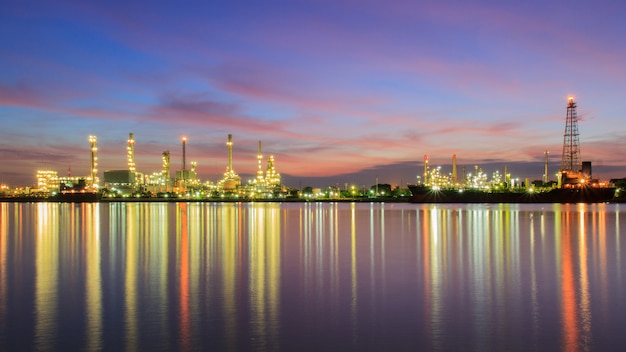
(27, 199)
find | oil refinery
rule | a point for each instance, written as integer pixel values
(131, 183)
(575, 181)
(460, 184)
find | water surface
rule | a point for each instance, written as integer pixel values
(311, 276)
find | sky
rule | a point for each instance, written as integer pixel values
(344, 91)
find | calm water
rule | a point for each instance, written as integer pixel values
(292, 277)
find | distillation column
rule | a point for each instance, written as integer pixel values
(455, 177)
(259, 171)
(229, 169)
(425, 169)
(184, 140)
(546, 175)
(93, 178)
(131, 152)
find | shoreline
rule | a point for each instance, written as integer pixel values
(192, 200)
(284, 200)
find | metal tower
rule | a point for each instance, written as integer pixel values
(272, 177)
(165, 170)
(184, 140)
(93, 178)
(546, 176)
(131, 152)
(425, 169)
(259, 172)
(231, 180)
(455, 176)
(570, 161)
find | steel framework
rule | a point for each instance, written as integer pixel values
(570, 161)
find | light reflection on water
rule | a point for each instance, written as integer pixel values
(310, 276)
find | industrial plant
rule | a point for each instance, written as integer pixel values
(574, 180)
(131, 183)
(266, 183)
(572, 173)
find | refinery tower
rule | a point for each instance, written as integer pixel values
(573, 173)
(570, 159)
(231, 180)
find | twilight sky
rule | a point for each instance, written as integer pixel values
(329, 87)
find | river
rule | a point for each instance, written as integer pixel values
(312, 276)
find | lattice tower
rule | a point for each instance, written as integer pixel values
(570, 161)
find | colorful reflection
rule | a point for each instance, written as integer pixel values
(269, 276)
(93, 276)
(4, 238)
(47, 275)
(264, 255)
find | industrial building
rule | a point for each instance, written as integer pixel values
(231, 181)
(574, 173)
(186, 183)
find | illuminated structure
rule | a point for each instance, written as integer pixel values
(546, 176)
(93, 174)
(230, 154)
(272, 178)
(571, 174)
(186, 177)
(231, 180)
(507, 177)
(184, 140)
(165, 168)
(570, 158)
(131, 160)
(426, 172)
(455, 177)
(120, 182)
(131, 152)
(478, 180)
(259, 172)
(72, 184)
(47, 181)
(267, 183)
(160, 182)
(127, 181)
